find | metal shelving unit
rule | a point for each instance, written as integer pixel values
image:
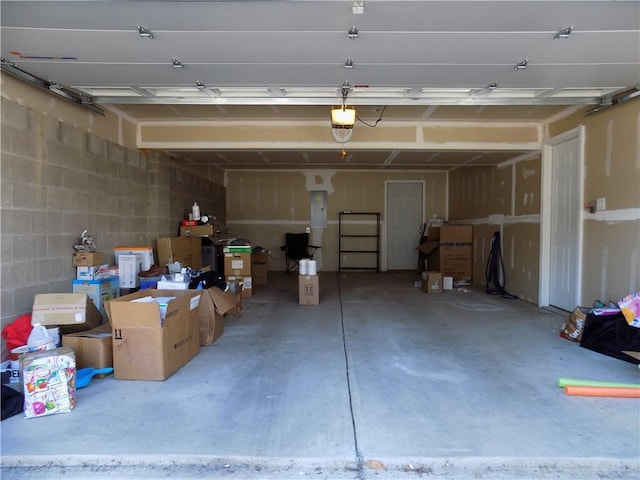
(348, 234)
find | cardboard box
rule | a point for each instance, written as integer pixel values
(456, 251)
(150, 345)
(94, 272)
(456, 234)
(455, 261)
(198, 231)
(71, 312)
(93, 348)
(186, 250)
(213, 306)
(237, 264)
(308, 289)
(87, 259)
(433, 283)
(144, 253)
(259, 268)
(246, 285)
(99, 291)
(48, 382)
(128, 270)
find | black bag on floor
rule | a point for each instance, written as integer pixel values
(611, 335)
(12, 402)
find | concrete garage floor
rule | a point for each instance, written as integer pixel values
(379, 381)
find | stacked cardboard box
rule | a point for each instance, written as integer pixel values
(94, 279)
(237, 267)
(448, 250)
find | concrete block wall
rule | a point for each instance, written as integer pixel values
(58, 180)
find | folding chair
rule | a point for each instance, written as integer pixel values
(297, 248)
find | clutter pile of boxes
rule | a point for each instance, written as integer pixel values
(447, 253)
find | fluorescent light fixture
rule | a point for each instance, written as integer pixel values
(358, 7)
(566, 33)
(348, 63)
(176, 63)
(343, 117)
(353, 33)
(522, 65)
(144, 32)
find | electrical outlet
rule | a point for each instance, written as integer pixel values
(601, 204)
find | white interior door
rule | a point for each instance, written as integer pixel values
(564, 271)
(404, 224)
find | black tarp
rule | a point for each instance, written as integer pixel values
(611, 335)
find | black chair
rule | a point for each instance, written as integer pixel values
(297, 248)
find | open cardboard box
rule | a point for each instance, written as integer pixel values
(152, 341)
(213, 306)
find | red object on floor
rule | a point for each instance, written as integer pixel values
(17, 333)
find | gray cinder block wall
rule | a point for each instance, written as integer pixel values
(57, 180)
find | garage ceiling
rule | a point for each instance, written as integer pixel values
(413, 61)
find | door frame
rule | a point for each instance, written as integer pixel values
(384, 262)
(546, 208)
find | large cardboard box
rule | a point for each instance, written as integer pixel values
(87, 259)
(456, 251)
(99, 291)
(308, 289)
(237, 264)
(213, 306)
(71, 312)
(186, 250)
(259, 268)
(153, 339)
(93, 348)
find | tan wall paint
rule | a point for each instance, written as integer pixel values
(612, 260)
(287, 134)
(111, 127)
(505, 200)
(263, 205)
(501, 133)
(477, 192)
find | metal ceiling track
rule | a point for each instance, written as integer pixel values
(61, 91)
(360, 100)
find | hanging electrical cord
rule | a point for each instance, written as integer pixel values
(495, 270)
(377, 121)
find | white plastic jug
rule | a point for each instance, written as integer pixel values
(39, 339)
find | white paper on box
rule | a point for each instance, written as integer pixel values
(194, 302)
(237, 264)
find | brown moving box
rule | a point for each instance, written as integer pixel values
(237, 264)
(72, 312)
(87, 259)
(186, 250)
(146, 347)
(308, 290)
(93, 348)
(448, 249)
(213, 305)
